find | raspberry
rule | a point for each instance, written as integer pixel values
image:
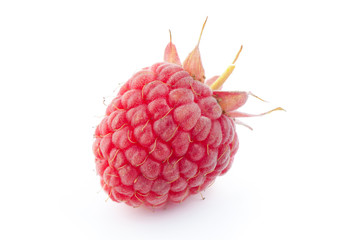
(167, 135)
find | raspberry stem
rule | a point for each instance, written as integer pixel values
(221, 80)
(235, 59)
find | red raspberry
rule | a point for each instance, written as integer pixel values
(166, 135)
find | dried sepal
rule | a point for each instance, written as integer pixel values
(230, 101)
(171, 54)
(236, 114)
(193, 64)
(237, 121)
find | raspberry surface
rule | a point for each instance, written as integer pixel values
(163, 138)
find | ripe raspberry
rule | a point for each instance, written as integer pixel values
(167, 135)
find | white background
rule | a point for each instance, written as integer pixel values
(58, 59)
